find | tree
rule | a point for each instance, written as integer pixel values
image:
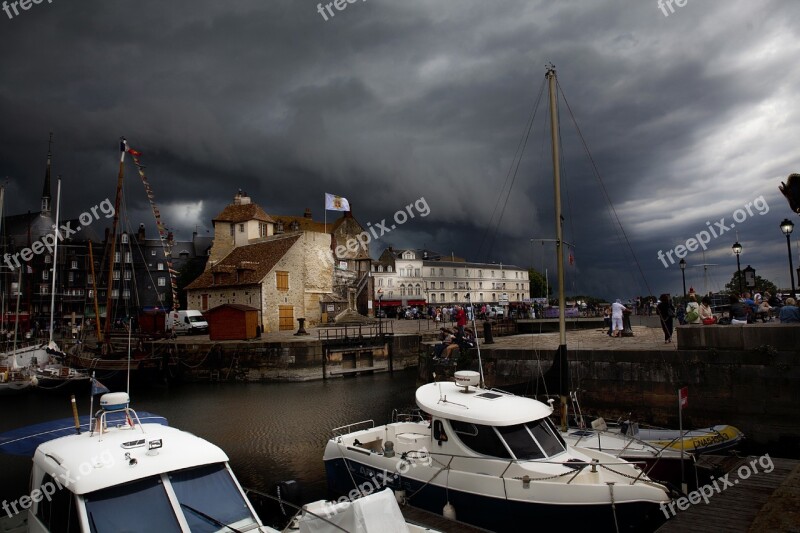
(762, 285)
(538, 284)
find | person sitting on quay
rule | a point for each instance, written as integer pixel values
(692, 310)
(706, 313)
(739, 311)
(790, 313)
(763, 310)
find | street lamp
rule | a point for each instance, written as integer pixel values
(737, 249)
(682, 264)
(786, 227)
(380, 299)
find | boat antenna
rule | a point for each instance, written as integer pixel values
(475, 331)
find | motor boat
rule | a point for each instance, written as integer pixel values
(493, 460)
(119, 473)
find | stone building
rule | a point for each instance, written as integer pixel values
(284, 276)
(415, 277)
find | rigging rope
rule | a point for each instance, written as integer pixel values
(163, 234)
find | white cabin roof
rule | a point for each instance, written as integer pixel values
(84, 463)
(445, 399)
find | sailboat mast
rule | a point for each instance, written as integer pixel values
(561, 357)
(94, 295)
(113, 248)
(56, 236)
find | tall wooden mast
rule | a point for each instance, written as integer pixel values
(123, 146)
(561, 357)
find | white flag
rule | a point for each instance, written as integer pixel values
(336, 203)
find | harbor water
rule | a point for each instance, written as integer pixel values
(271, 432)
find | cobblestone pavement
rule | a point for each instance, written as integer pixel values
(644, 337)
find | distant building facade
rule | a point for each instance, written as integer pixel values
(410, 277)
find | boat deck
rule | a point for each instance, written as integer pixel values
(438, 522)
(762, 502)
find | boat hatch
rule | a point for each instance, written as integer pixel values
(489, 395)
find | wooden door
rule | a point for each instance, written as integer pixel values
(285, 317)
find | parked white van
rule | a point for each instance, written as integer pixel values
(189, 322)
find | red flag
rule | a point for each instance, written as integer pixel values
(134, 152)
(683, 394)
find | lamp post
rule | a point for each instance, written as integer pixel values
(737, 249)
(380, 324)
(682, 264)
(786, 227)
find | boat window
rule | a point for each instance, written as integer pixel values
(521, 443)
(141, 506)
(480, 439)
(533, 440)
(211, 490)
(57, 512)
(549, 439)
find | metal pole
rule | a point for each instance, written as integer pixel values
(739, 270)
(680, 432)
(562, 324)
(791, 268)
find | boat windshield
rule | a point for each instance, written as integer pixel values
(138, 507)
(533, 440)
(208, 496)
(481, 439)
(211, 490)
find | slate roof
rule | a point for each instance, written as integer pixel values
(246, 265)
(242, 213)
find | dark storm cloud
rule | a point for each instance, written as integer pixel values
(686, 116)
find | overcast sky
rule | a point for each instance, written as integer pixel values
(688, 117)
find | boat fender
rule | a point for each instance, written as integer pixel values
(288, 491)
(449, 511)
(388, 449)
(400, 496)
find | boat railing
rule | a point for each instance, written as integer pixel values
(410, 415)
(127, 424)
(575, 466)
(350, 428)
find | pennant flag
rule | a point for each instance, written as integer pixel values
(98, 388)
(683, 394)
(133, 152)
(336, 203)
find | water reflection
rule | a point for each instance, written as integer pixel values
(271, 432)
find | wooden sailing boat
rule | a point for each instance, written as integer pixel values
(114, 351)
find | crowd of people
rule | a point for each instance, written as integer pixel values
(742, 309)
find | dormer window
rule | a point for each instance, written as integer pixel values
(294, 225)
(123, 238)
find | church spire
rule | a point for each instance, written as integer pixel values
(46, 195)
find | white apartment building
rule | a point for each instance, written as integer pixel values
(421, 277)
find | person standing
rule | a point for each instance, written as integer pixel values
(616, 318)
(461, 320)
(666, 312)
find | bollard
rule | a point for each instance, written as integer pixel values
(487, 333)
(301, 330)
